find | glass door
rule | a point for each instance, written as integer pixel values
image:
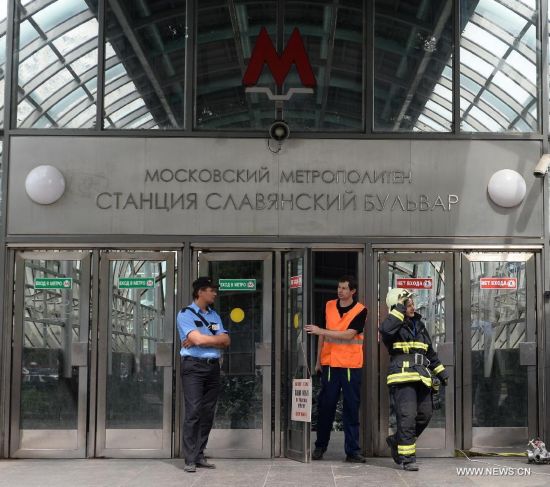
(296, 314)
(135, 355)
(50, 355)
(242, 425)
(500, 352)
(430, 277)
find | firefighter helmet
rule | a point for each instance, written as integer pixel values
(395, 295)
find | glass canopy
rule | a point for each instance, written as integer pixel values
(144, 65)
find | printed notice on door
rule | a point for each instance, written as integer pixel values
(301, 400)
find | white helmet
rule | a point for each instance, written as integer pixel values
(395, 295)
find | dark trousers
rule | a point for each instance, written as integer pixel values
(334, 380)
(413, 409)
(201, 388)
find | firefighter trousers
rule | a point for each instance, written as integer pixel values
(334, 380)
(413, 409)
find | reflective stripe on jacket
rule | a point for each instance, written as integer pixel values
(338, 352)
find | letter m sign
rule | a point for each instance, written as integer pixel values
(264, 53)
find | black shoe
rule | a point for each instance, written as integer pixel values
(410, 467)
(190, 468)
(317, 454)
(392, 443)
(202, 463)
(356, 458)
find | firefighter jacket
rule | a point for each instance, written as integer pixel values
(338, 352)
(412, 357)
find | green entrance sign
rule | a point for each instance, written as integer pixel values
(136, 282)
(53, 283)
(237, 284)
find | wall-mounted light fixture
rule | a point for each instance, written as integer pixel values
(45, 184)
(507, 188)
(542, 166)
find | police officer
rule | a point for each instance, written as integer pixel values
(413, 372)
(202, 338)
(340, 362)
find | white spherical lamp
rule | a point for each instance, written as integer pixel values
(507, 188)
(45, 184)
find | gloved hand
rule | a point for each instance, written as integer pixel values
(444, 380)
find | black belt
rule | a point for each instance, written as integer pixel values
(412, 358)
(203, 360)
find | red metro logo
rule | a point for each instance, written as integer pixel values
(294, 54)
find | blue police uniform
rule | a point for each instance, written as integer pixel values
(200, 375)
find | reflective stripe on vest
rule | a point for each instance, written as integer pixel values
(338, 352)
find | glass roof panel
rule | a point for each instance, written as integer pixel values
(58, 12)
(485, 39)
(27, 33)
(85, 63)
(511, 87)
(56, 68)
(499, 66)
(523, 66)
(76, 37)
(130, 107)
(36, 63)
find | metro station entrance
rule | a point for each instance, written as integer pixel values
(95, 369)
(264, 299)
(92, 354)
(481, 311)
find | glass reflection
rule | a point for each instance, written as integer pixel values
(3, 28)
(57, 55)
(49, 382)
(240, 402)
(333, 36)
(498, 66)
(413, 66)
(296, 362)
(226, 35)
(498, 326)
(137, 323)
(145, 64)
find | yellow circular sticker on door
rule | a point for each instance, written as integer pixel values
(236, 315)
(296, 320)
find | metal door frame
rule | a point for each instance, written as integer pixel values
(532, 320)
(105, 259)
(305, 254)
(17, 350)
(448, 357)
(267, 333)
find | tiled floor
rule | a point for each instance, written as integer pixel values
(434, 472)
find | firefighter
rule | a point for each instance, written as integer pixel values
(413, 374)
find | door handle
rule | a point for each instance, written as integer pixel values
(79, 354)
(445, 352)
(528, 353)
(163, 355)
(263, 354)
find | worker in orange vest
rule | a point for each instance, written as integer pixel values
(340, 363)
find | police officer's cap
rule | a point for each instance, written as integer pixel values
(204, 282)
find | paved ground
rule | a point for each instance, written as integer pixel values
(434, 472)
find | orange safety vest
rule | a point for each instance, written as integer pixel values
(338, 352)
